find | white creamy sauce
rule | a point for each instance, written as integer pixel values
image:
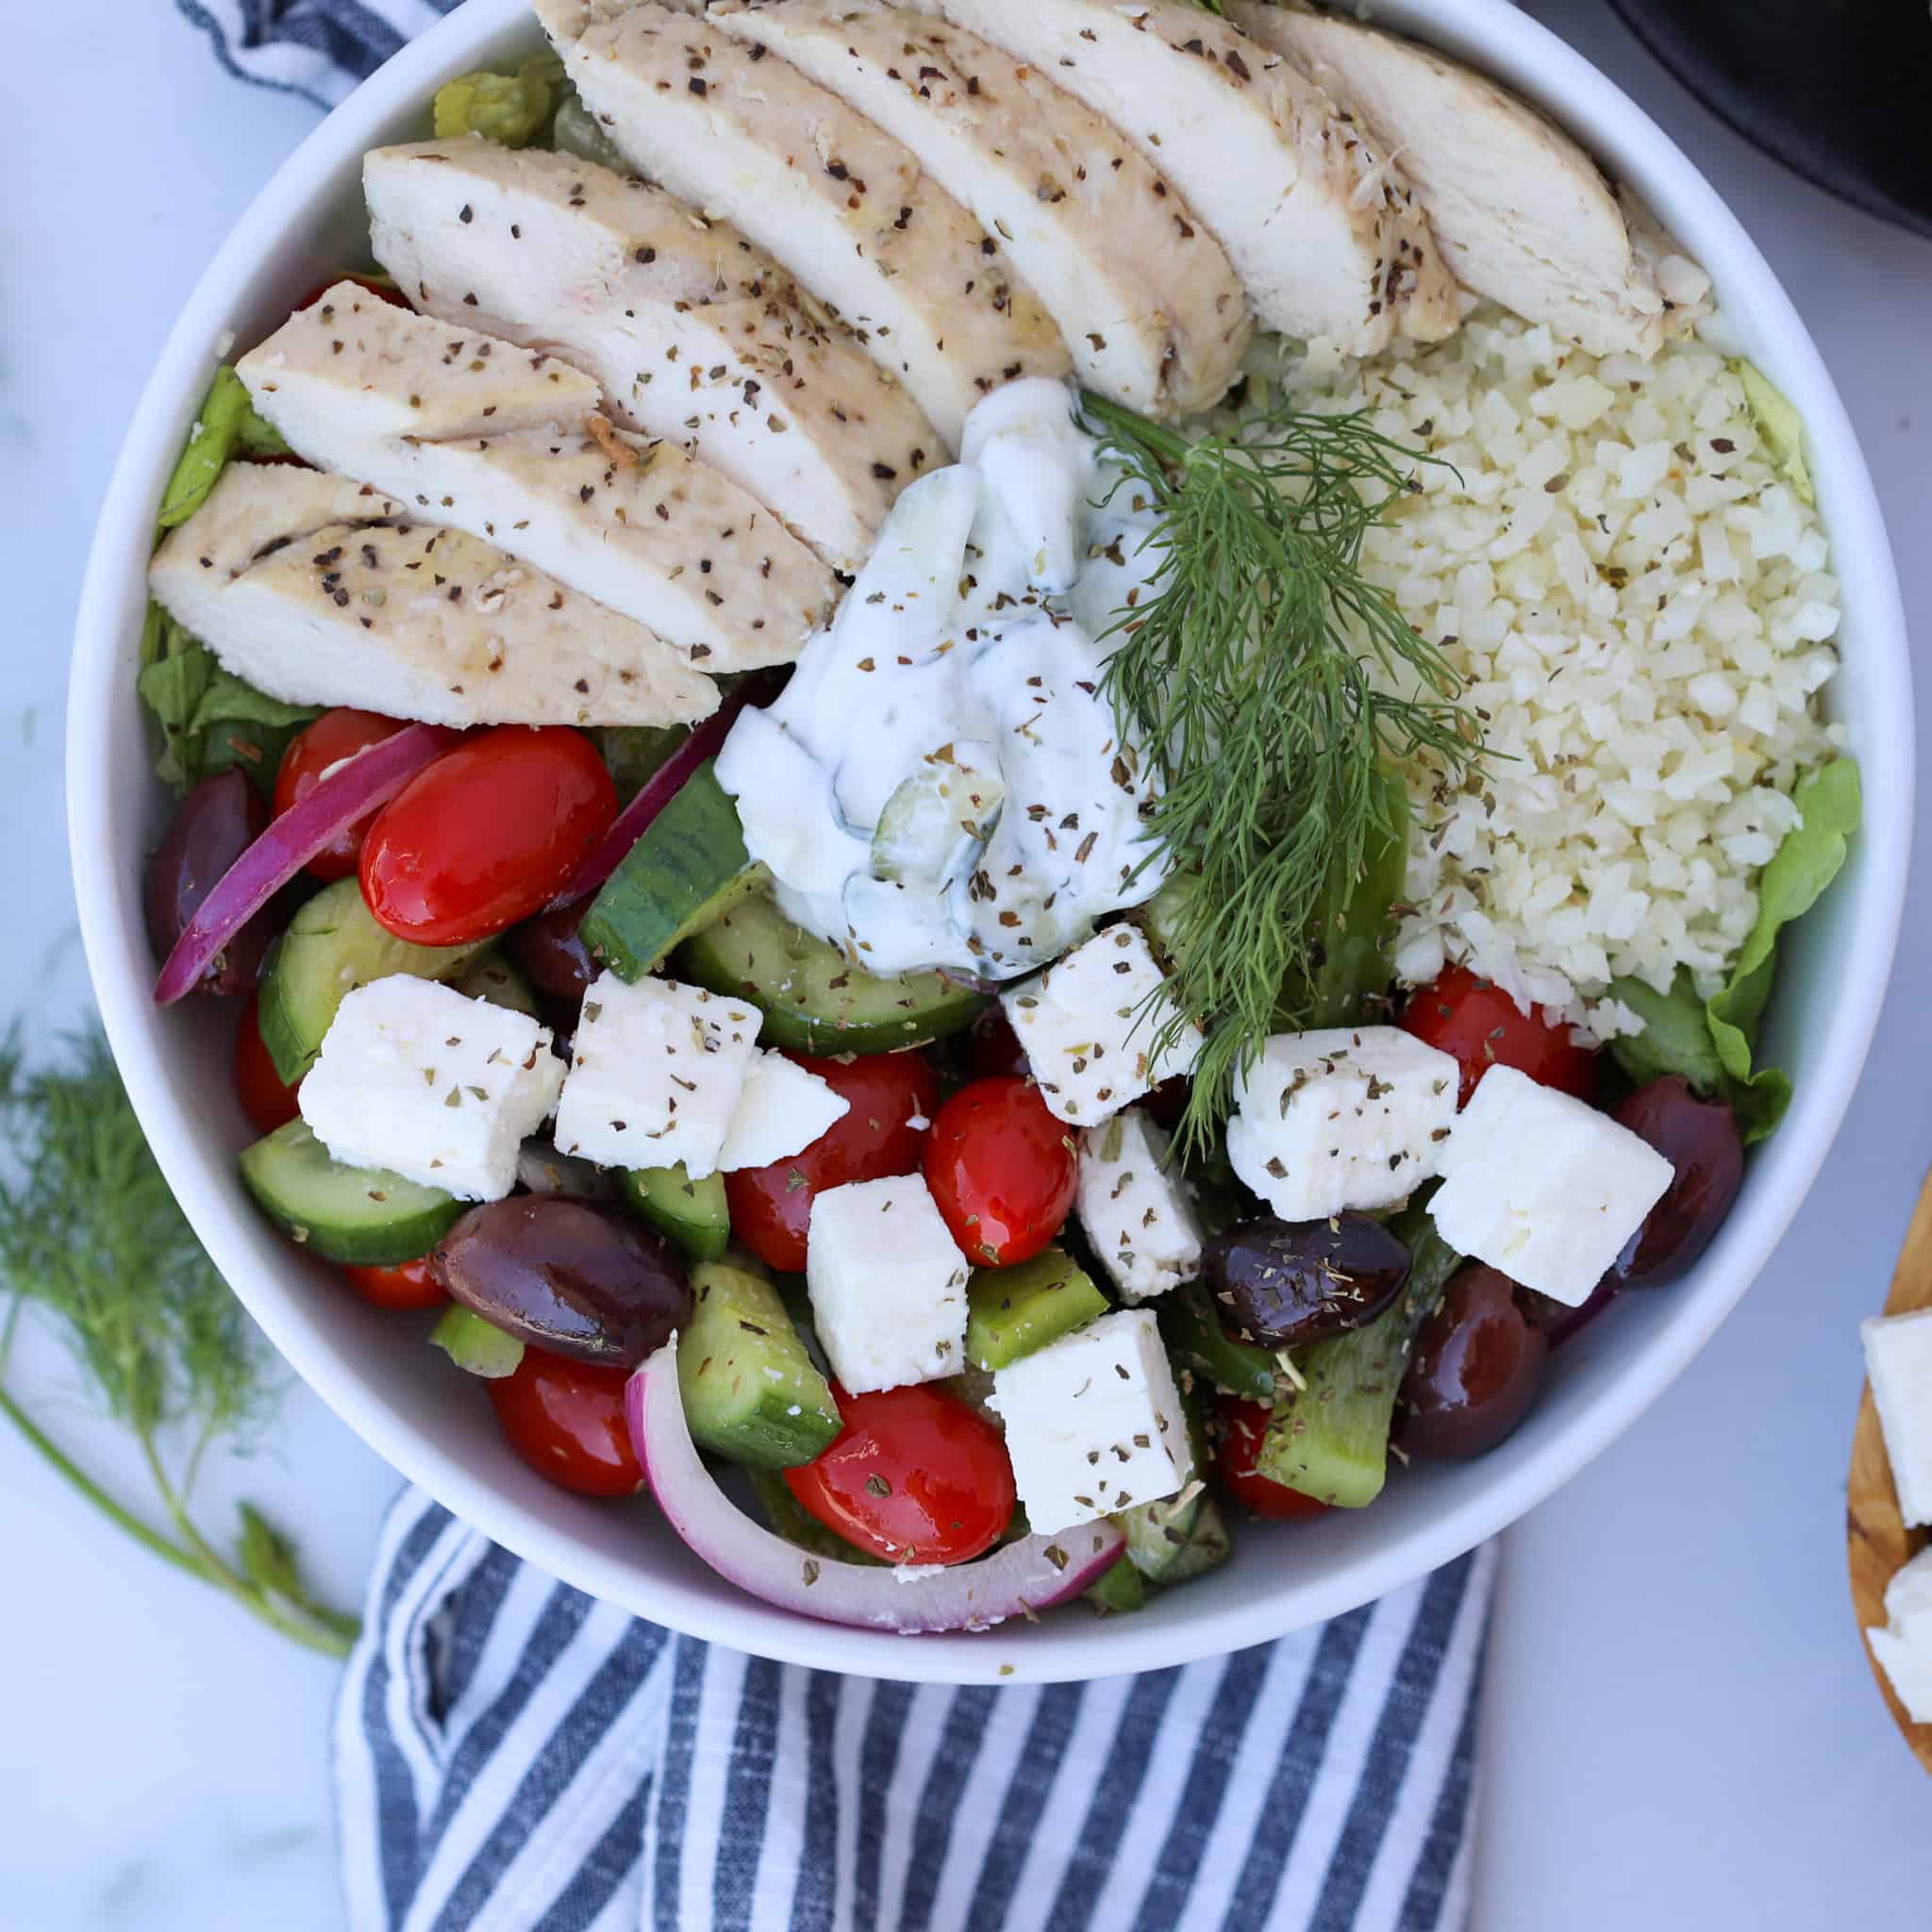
(941, 782)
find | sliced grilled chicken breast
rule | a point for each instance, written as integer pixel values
(321, 591)
(845, 207)
(1520, 212)
(1320, 223)
(692, 333)
(512, 446)
(1145, 296)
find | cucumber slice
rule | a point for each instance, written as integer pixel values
(476, 1347)
(1199, 1343)
(939, 817)
(688, 866)
(364, 1216)
(1121, 1590)
(1012, 1311)
(1177, 1539)
(814, 999)
(490, 976)
(1331, 1440)
(332, 946)
(693, 1213)
(750, 1391)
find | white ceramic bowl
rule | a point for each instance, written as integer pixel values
(431, 1422)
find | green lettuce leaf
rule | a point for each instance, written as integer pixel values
(228, 425)
(511, 109)
(1675, 1037)
(1779, 424)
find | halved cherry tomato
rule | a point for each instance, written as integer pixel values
(1002, 1171)
(1478, 1024)
(915, 1476)
(312, 753)
(264, 1098)
(386, 291)
(485, 835)
(565, 1419)
(771, 1207)
(408, 1285)
(1244, 1425)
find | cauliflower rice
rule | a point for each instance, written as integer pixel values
(1643, 614)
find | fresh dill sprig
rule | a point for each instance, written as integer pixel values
(91, 1238)
(1270, 683)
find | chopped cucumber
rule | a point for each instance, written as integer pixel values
(688, 866)
(1176, 1539)
(750, 1391)
(792, 1520)
(693, 1213)
(634, 754)
(332, 946)
(490, 976)
(1331, 1440)
(476, 1347)
(1121, 1588)
(1013, 1311)
(814, 999)
(932, 825)
(1202, 1346)
(363, 1216)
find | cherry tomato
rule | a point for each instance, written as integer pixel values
(915, 1476)
(1244, 1425)
(335, 736)
(1001, 1169)
(265, 1099)
(565, 1419)
(1481, 1027)
(485, 835)
(386, 291)
(771, 1207)
(408, 1285)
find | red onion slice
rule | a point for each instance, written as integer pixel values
(659, 789)
(1016, 1581)
(357, 786)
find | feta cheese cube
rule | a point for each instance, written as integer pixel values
(1093, 1422)
(1343, 1117)
(1904, 1646)
(1543, 1187)
(440, 1089)
(1088, 1024)
(1898, 1362)
(1137, 1212)
(656, 1073)
(888, 1284)
(782, 1110)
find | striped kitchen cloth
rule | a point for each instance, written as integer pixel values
(513, 1755)
(316, 48)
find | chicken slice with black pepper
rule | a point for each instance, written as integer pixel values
(692, 333)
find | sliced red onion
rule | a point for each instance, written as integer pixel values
(357, 786)
(1016, 1581)
(1582, 1315)
(628, 827)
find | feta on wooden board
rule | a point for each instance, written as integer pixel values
(1904, 1645)
(440, 1089)
(1898, 1364)
(1135, 1209)
(782, 1110)
(1090, 1023)
(888, 1284)
(655, 1074)
(1543, 1187)
(1341, 1116)
(1093, 1422)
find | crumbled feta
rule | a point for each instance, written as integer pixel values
(1344, 1116)
(1543, 1187)
(782, 1110)
(1135, 1209)
(655, 1073)
(888, 1284)
(1093, 1422)
(1904, 1646)
(1898, 1362)
(1088, 1024)
(440, 1089)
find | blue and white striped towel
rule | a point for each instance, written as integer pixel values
(513, 1756)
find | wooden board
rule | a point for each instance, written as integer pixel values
(1877, 1541)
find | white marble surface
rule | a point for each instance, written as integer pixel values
(1680, 1730)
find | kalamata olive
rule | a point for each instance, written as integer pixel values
(1475, 1372)
(549, 951)
(571, 1276)
(213, 826)
(1700, 1138)
(1282, 1283)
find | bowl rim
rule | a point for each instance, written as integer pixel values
(1513, 49)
